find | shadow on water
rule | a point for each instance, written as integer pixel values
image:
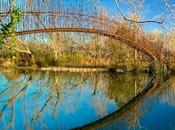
(63, 100)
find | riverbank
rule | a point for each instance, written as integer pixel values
(13, 64)
(76, 69)
(62, 67)
(67, 69)
(82, 69)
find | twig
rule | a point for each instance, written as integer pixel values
(3, 17)
(134, 21)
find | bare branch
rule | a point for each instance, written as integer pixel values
(16, 49)
(167, 4)
(134, 21)
(4, 16)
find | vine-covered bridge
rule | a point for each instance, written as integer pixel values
(47, 16)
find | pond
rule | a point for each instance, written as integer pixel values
(67, 100)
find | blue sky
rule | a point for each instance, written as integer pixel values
(152, 9)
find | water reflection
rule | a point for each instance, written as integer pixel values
(153, 111)
(45, 100)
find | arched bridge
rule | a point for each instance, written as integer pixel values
(55, 21)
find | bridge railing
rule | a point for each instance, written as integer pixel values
(113, 27)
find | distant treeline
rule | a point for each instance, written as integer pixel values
(62, 50)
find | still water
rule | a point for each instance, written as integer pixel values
(64, 100)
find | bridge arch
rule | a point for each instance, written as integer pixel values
(45, 19)
(152, 55)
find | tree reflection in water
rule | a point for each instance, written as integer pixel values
(154, 110)
(47, 100)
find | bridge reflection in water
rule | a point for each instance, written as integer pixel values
(45, 100)
(63, 100)
(152, 109)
